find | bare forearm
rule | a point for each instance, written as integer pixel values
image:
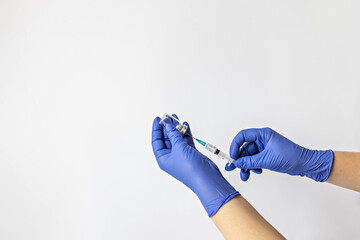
(237, 219)
(345, 171)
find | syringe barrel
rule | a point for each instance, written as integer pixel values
(225, 156)
(216, 151)
(211, 148)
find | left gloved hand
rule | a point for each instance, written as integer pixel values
(178, 156)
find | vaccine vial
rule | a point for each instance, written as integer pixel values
(168, 118)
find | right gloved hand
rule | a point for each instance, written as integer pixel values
(277, 153)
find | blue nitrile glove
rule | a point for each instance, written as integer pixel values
(177, 156)
(270, 150)
(245, 150)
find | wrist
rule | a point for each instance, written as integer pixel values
(214, 192)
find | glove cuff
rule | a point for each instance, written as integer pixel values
(212, 208)
(215, 194)
(321, 170)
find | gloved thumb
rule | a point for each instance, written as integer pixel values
(174, 135)
(249, 162)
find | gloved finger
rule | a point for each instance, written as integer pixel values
(169, 119)
(242, 151)
(247, 135)
(247, 149)
(175, 136)
(157, 138)
(188, 135)
(166, 139)
(175, 116)
(244, 174)
(249, 162)
(229, 167)
(257, 170)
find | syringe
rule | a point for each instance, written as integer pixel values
(215, 150)
(181, 127)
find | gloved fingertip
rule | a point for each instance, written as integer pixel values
(229, 167)
(234, 151)
(188, 128)
(175, 116)
(156, 120)
(257, 170)
(244, 175)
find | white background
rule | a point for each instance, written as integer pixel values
(81, 81)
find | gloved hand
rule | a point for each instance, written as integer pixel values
(177, 156)
(245, 150)
(266, 148)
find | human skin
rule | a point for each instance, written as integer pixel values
(345, 171)
(237, 219)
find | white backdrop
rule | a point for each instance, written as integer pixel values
(81, 81)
